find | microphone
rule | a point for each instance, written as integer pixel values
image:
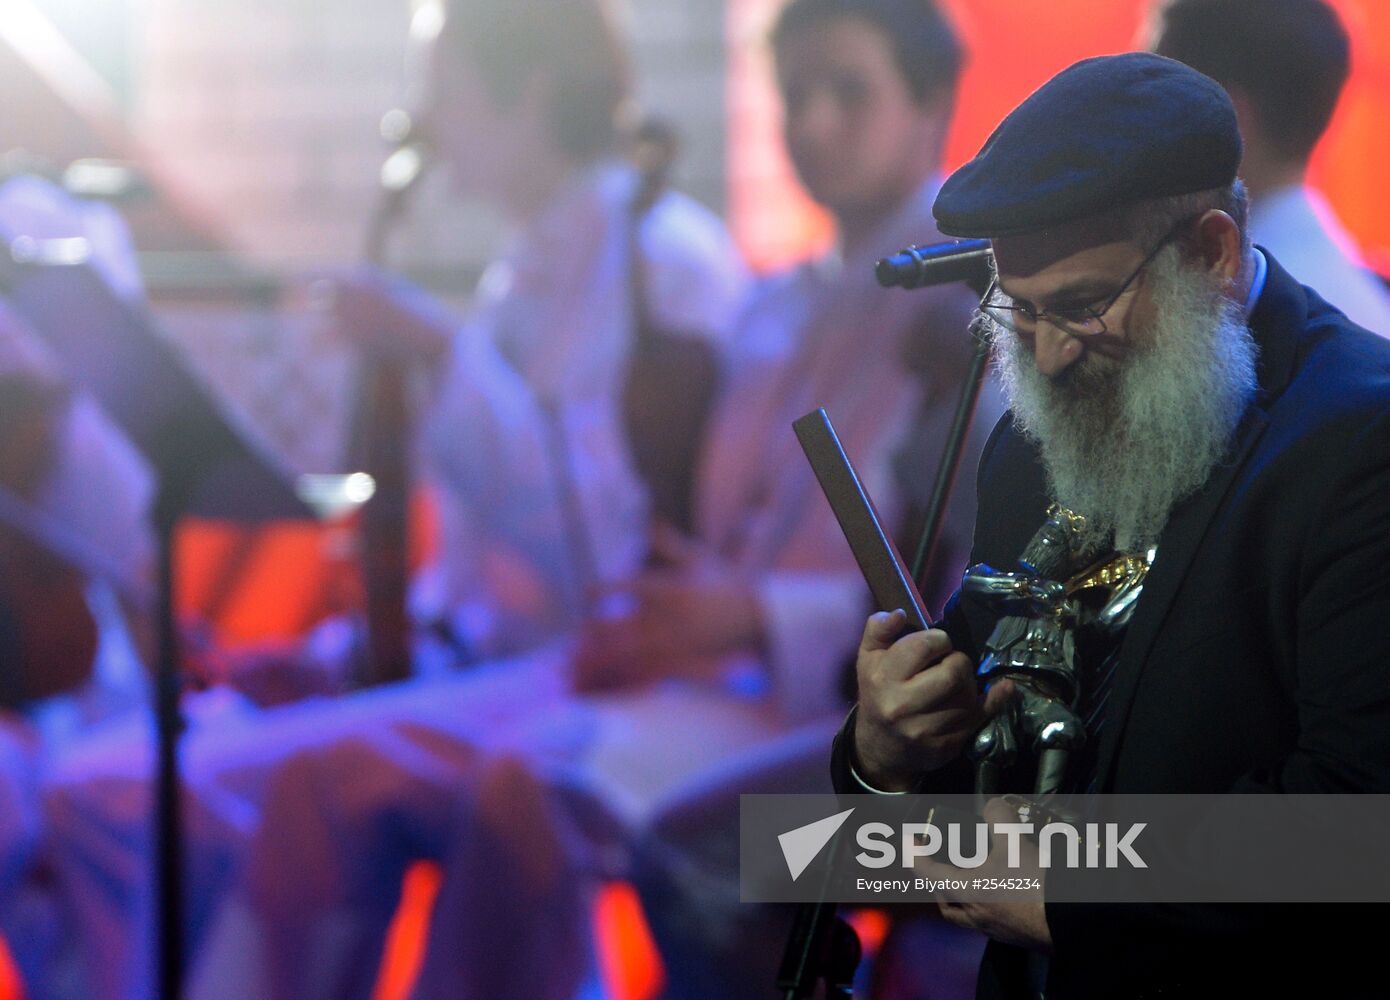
(939, 264)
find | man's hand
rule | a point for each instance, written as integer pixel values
(1022, 919)
(385, 317)
(681, 620)
(918, 702)
(678, 627)
(271, 673)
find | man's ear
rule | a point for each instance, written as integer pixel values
(1219, 244)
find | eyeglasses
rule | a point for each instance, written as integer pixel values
(1083, 321)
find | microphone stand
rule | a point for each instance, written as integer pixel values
(821, 945)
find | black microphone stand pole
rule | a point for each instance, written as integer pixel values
(949, 465)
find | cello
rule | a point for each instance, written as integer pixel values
(672, 376)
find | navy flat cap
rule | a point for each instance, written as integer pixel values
(1100, 135)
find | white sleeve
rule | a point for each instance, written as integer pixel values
(696, 279)
(809, 622)
(496, 453)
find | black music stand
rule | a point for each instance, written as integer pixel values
(205, 466)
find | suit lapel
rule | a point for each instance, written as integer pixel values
(1176, 549)
(1276, 323)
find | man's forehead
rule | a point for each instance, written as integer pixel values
(1101, 242)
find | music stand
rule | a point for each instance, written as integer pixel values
(205, 466)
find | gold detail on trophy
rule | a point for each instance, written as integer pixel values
(1120, 570)
(1069, 519)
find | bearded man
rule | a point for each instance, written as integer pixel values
(1189, 405)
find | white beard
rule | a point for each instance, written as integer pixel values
(1124, 442)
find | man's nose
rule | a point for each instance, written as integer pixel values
(1055, 350)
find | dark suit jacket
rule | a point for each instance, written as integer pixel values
(1258, 658)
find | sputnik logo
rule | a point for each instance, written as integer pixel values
(800, 846)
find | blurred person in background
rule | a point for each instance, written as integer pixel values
(868, 89)
(522, 433)
(767, 574)
(1284, 63)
